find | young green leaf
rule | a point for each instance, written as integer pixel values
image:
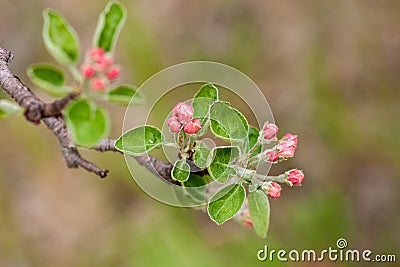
(60, 38)
(253, 138)
(259, 212)
(242, 118)
(123, 95)
(228, 124)
(202, 102)
(49, 79)
(181, 171)
(201, 155)
(109, 26)
(226, 203)
(88, 123)
(7, 108)
(139, 140)
(219, 168)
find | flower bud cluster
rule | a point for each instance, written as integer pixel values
(182, 116)
(100, 70)
(285, 149)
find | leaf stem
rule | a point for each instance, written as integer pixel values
(170, 144)
(75, 73)
(250, 175)
(282, 178)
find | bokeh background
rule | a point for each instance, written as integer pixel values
(331, 73)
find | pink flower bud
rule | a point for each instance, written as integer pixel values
(192, 127)
(295, 176)
(291, 139)
(285, 151)
(114, 72)
(183, 112)
(287, 146)
(104, 63)
(88, 71)
(270, 131)
(274, 190)
(174, 125)
(97, 54)
(272, 156)
(98, 85)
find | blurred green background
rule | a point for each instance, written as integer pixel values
(331, 73)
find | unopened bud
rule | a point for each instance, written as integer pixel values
(192, 127)
(174, 125)
(114, 72)
(295, 176)
(270, 131)
(98, 85)
(183, 112)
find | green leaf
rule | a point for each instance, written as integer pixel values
(242, 118)
(181, 170)
(202, 102)
(228, 124)
(219, 168)
(49, 78)
(60, 38)
(7, 108)
(123, 95)
(259, 212)
(109, 26)
(226, 203)
(139, 140)
(201, 155)
(88, 123)
(253, 138)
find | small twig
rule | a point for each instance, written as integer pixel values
(106, 145)
(68, 149)
(55, 108)
(156, 166)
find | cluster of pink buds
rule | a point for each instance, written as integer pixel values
(285, 148)
(182, 116)
(99, 69)
(273, 189)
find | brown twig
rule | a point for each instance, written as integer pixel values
(55, 108)
(157, 167)
(36, 110)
